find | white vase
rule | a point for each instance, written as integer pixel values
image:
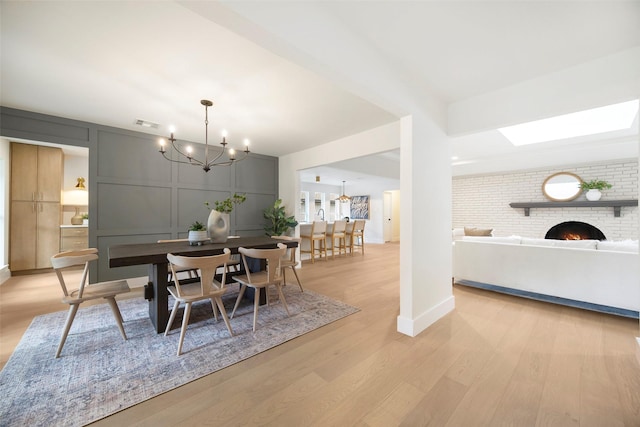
(197, 237)
(593, 195)
(218, 226)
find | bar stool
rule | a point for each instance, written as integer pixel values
(337, 232)
(317, 233)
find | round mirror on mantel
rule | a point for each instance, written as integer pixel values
(562, 187)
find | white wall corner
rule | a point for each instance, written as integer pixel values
(413, 327)
(5, 274)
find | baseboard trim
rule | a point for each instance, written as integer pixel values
(5, 274)
(552, 299)
(413, 327)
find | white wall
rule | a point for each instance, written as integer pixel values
(483, 201)
(5, 169)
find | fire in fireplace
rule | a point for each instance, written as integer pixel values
(574, 230)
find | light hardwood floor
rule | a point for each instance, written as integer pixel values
(496, 360)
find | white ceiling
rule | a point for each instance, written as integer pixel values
(115, 62)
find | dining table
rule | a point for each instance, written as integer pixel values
(155, 256)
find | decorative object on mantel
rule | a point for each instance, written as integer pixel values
(279, 222)
(85, 218)
(219, 222)
(562, 187)
(197, 234)
(594, 188)
(207, 163)
(615, 204)
(343, 198)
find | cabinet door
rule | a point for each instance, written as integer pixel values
(24, 172)
(50, 163)
(23, 236)
(48, 239)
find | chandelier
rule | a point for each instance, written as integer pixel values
(344, 198)
(207, 163)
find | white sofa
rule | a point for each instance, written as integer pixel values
(602, 276)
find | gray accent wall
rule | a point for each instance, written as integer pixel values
(136, 196)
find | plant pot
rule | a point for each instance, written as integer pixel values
(198, 237)
(593, 195)
(218, 226)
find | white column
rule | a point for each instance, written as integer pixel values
(425, 227)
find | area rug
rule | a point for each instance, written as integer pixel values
(99, 373)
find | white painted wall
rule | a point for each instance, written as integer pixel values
(5, 170)
(483, 201)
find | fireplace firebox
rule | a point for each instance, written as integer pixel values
(574, 230)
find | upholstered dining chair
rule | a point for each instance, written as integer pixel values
(262, 279)
(85, 292)
(317, 233)
(289, 260)
(337, 233)
(206, 288)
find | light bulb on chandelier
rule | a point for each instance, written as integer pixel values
(206, 164)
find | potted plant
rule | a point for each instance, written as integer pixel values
(279, 222)
(218, 221)
(85, 218)
(594, 188)
(197, 233)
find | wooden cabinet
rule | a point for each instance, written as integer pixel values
(36, 183)
(74, 238)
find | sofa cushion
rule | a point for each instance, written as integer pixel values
(457, 233)
(513, 240)
(619, 246)
(578, 244)
(473, 231)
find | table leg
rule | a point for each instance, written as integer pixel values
(158, 304)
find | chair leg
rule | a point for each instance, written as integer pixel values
(172, 317)
(118, 316)
(73, 309)
(185, 322)
(240, 293)
(284, 301)
(256, 303)
(223, 312)
(215, 310)
(313, 251)
(297, 278)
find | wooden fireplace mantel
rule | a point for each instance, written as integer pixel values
(615, 204)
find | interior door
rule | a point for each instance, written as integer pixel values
(23, 236)
(387, 226)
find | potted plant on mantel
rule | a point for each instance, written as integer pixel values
(218, 222)
(197, 233)
(594, 188)
(279, 222)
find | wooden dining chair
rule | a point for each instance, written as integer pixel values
(289, 260)
(206, 288)
(233, 263)
(317, 233)
(337, 232)
(85, 292)
(262, 279)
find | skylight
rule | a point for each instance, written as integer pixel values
(589, 122)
